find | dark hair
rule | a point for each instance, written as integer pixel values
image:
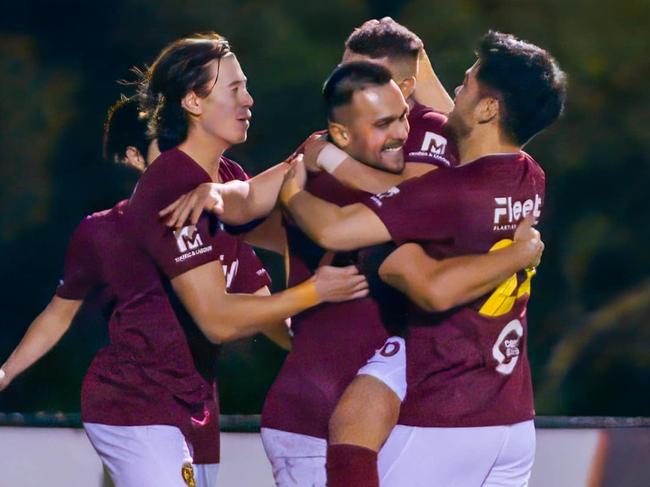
(384, 38)
(181, 67)
(349, 78)
(527, 80)
(126, 125)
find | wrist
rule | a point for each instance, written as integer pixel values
(289, 191)
(307, 294)
(330, 158)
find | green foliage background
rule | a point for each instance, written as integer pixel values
(590, 311)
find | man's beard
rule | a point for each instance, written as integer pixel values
(458, 127)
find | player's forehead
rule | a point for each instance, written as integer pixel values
(229, 71)
(379, 101)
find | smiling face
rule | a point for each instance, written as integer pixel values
(373, 127)
(225, 112)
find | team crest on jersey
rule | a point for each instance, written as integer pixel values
(506, 349)
(390, 192)
(189, 243)
(508, 211)
(187, 472)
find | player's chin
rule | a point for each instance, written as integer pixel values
(392, 161)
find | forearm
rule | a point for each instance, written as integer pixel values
(438, 285)
(269, 235)
(43, 333)
(255, 198)
(233, 316)
(325, 223)
(356, 175)
(429, 90)
(278, 333)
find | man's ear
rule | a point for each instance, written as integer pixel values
(339, 134)
(407, 86)
(192, 103)
(487, 110)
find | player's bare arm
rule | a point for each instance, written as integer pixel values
(236, 202)
(319, 155)
(270, 234)
(278, 334)
(438, 285)
(330, 226)
(429, 90)
(224, 317)
(45, 331)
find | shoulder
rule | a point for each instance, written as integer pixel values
(229, 170)
(171, 175)
(426, 116)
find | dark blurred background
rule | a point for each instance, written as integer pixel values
(590, 310)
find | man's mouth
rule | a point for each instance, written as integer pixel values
(393, 147)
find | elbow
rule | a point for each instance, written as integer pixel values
(330, 238)
(436, 300)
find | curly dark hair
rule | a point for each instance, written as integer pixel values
(526, 79)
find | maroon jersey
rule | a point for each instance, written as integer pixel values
(332, 341)
(429, 139)
(158, 368)
(468, 366)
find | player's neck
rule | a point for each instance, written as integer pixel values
(206, 152)
(481, 143)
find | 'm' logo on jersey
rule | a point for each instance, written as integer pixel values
(434, 144)
(508, 212)
(506, 349)
(189, 243)
(386, 194)
(188, 238)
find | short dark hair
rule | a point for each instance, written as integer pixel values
(182, 66)
(349, 78)
(527, 80)
(126, 125)
(384, 38)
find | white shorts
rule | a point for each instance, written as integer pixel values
(205, 474)
(297, 460)
(489, 456)
(388, 364)
(142, 456)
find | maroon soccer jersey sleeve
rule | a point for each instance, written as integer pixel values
(251, 275)
(418, 209)
(428, 141)
(80, 272)
(175, 251)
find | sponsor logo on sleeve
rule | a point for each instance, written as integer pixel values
(508, 211)
(189, 243)
(434, 146)
(377, 199)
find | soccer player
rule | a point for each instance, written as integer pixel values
(126, 141)
(332, 342)
(467, 369)
(144, 391)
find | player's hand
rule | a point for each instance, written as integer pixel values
(188, 208)
(530, 240)
(294, 179)
(311, 150)
(4, 380)
(336, 284)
